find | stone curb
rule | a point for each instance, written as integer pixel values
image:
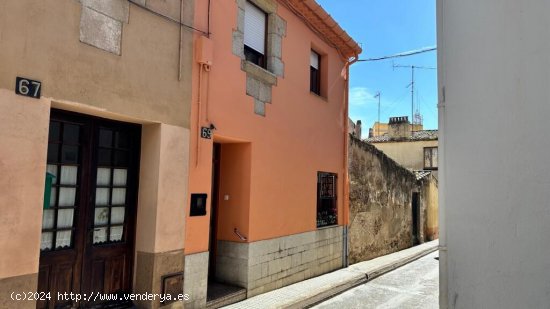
(396, 260)
(325, 293)
(315, 290)
(371, 270)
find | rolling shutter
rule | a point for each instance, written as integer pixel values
(254, 28)
(314, 60)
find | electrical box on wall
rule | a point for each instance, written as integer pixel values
(198, 204)
(204, 52)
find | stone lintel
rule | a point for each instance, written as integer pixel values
(100, 30)
(268, 6)
(116, 9)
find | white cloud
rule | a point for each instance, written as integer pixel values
(361, 96)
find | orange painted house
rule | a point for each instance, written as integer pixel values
(267, 164)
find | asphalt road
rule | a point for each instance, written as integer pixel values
(415, 285)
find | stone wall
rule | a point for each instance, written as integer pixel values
(266, 265)
(380, 203)
(196, 279)
(259, 81)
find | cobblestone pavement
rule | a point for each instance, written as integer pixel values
(415, 285)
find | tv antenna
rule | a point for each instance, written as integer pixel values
(377, 95)
(412, 67)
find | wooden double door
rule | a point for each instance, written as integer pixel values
(88, 226)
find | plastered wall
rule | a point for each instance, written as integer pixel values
(284, 157)
(408, 154)
(23, 166)
(493, 100)
(41, 40)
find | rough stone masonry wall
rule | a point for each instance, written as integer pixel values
(380, 203)
(266, 265)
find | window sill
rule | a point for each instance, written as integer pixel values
(259, 72)
(318, 96)
(327, 227)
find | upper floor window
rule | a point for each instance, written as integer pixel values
(315, 73)
(430, 158)
(255, 25)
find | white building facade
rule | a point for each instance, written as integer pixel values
(494, 181)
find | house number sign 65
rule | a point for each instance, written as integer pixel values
(27, 87)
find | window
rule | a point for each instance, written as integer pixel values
(111, 186)
(327, 209)
(315, 73)
(255, 24)
(64, 153)
(430, 158)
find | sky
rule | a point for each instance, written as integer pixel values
(382, 28)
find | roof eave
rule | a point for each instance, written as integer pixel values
(327, 28)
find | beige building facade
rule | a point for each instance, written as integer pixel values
(380, 129)
(95, 99)
(416, 150)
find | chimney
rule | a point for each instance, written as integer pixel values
(399, 127)
(358, 129)
(351, 126)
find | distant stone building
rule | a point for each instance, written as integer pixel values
(416, 150)
(354, 128)
(380, 128)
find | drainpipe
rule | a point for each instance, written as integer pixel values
(443, 279)
(346, 173)
(442, 181)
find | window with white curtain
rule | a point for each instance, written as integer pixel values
(63, 164)
(255, 24)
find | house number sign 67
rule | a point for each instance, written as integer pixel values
(27, 87)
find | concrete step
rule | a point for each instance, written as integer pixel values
(219, 295)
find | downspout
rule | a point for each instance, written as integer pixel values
(443, 270)
(443, 254)
(206, 67)
(199, 111)
(345, 248)
(208, 22)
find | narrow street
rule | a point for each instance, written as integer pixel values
(415, 285)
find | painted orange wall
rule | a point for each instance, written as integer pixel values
(233, 212)
(301, 134)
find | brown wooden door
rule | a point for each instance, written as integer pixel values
(88, 230)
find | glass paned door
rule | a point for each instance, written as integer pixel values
(111, 186)
(63, 162)
(88, 223)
